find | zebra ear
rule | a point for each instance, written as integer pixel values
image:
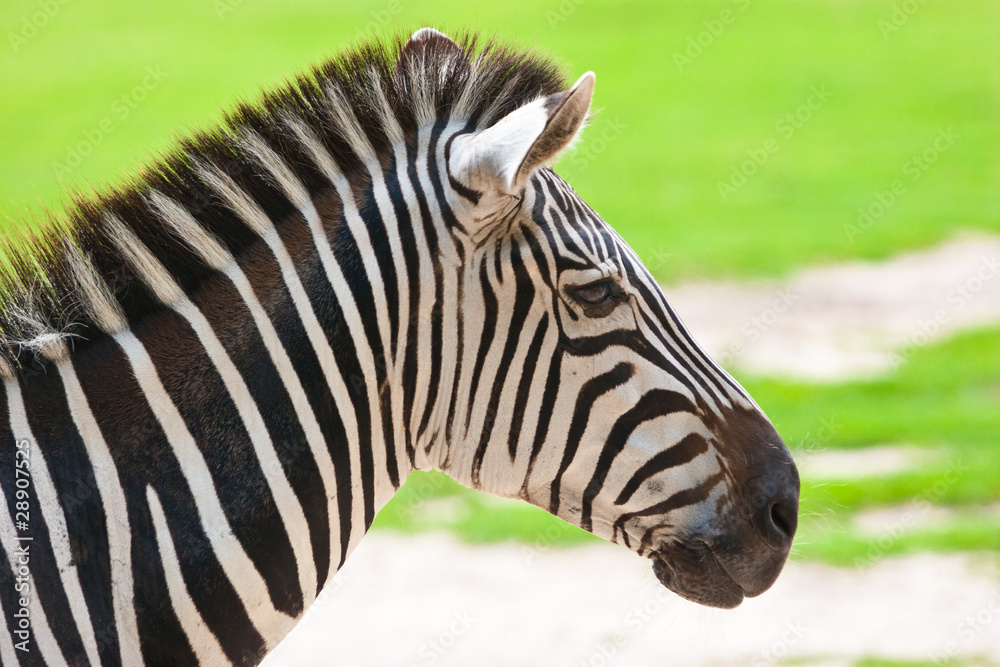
(428, 45)
(505, 154)
(425, 34)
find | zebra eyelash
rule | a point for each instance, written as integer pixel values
(594, 304)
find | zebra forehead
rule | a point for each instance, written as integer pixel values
(574, 230)
(357, 105)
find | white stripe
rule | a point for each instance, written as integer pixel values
(55, 521)
(169, 291)
(300, 402)
(292, 515)
(345, 299)
(260, 223)
(93, 292)
(366, 358)
(238, 567)
(425, 290)
(450, 260)
(7, 654)
(395, 370)
(203, 641)
(47, 644)
(115, 512)
(334, 379)
(43, 638)
(220, 258)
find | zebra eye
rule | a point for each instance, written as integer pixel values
(595, 294)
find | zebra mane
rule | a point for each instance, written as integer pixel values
(64, 285)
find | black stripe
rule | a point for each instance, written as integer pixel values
(690, 447)
(491, 308)
(378, 234)
(264, 274)
(524, 386)
(76, 487)
(411, 258)
(545, 412)
(592, 389)
(656, 403)
(215, 424)
(44, 570)
(541, 261)
(347, 256)
(430, 231)
(231, 320)
(684, 498)
(464, 191)
(524, 296)
(11, 589)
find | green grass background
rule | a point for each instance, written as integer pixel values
(650, 163)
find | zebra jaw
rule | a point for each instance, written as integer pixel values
(697, 575)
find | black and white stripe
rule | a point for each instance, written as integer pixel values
(225, 370)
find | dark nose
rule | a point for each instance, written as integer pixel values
(774, 502)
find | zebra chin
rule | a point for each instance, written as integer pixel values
(696, 575)
(695, 571)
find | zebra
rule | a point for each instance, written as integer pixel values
(215, 375)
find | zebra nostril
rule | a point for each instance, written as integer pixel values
(783, 518)
(775, 509)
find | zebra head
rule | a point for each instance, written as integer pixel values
(577, 388)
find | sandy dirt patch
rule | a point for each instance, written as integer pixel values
(846, 320)
(918, 515)
(429, 600)
(872, 461)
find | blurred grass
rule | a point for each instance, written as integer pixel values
(651, 163)
(977, 661)
(652, 160)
